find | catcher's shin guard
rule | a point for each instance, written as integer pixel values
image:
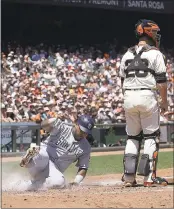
(130, 162)
(31, 152)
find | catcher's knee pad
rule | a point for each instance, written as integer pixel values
(155, 135)
(130, 163)
(144, 165)
(138, 137)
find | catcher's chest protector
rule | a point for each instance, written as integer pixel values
(138, 65)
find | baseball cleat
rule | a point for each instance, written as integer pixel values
(157, 182)
(31, 152)
(130, 184)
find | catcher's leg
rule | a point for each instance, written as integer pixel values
(130, 160)
(150, 124)
(148, 163)
(131, 155)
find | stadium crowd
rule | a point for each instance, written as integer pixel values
(40, 82)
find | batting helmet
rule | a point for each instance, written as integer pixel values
(86, 123)
(148, 28)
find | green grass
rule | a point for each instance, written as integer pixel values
(99, 165)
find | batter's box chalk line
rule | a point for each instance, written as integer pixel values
(103, 183)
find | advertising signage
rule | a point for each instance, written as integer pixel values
(159, 6)
(153, 6)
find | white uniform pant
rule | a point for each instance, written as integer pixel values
(43, 171)
(142, 114)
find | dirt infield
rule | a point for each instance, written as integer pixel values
(104, 191)
(95, 192)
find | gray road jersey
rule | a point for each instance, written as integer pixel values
(63, 149)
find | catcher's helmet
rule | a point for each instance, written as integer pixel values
(148, 28)
(86, 123)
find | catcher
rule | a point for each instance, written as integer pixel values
(65, 145)
(142, 72)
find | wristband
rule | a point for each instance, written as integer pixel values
(78, 179)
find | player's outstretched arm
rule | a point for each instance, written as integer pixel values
(49, 124)
(79, 177)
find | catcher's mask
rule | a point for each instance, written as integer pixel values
(150, 29)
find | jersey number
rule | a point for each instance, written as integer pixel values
(137, 73)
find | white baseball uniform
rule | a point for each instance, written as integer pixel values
(57, 153)
(141, 105)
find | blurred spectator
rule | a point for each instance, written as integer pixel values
(40, 82)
